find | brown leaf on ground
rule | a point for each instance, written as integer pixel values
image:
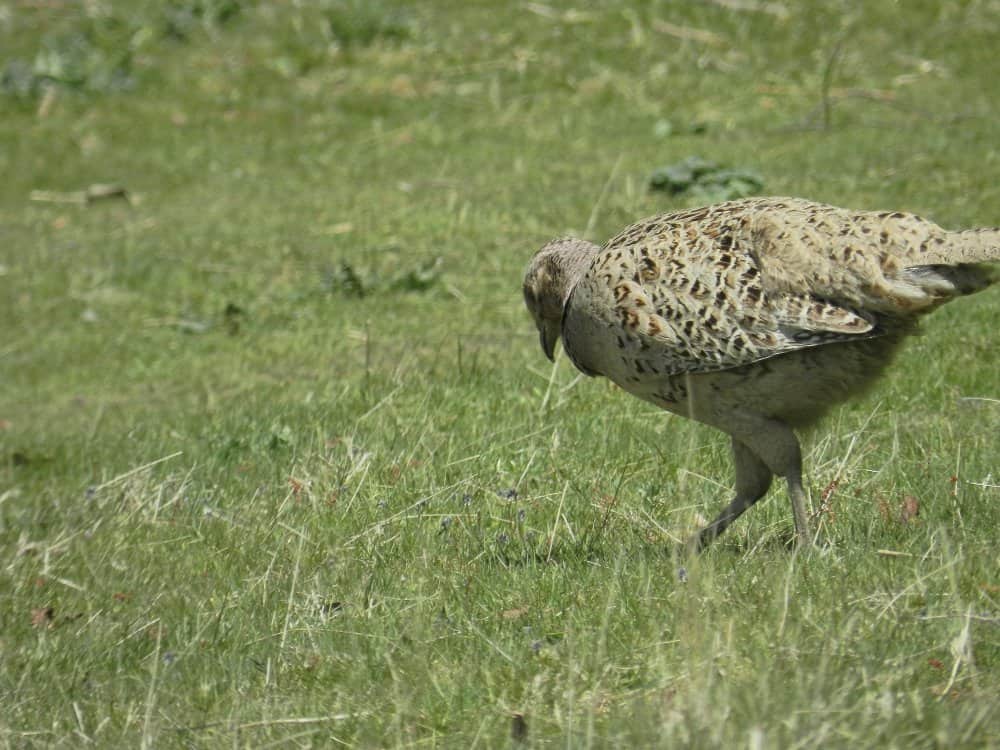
(513, 614)
(829, 490)
(43, 617)
(909, 509)
(884, 509)
(155, 631)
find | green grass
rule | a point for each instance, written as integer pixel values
(259, 426)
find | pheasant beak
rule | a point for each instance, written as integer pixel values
(547, 337)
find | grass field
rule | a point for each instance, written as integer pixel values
(281, 461)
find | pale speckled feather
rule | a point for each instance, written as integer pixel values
(731, 284)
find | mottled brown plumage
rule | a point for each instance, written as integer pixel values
(753, 316)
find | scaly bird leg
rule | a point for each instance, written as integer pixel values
(775, 450)
(753, 479)
(796, 493)
(776, 445)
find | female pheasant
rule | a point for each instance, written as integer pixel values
(753, 316)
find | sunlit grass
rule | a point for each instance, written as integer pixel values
(281, 461)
